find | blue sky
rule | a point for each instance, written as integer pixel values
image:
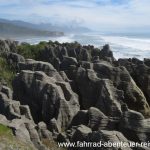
(95, 14)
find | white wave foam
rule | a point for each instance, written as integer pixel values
(135, 43)
(36, 40)
(63, 39)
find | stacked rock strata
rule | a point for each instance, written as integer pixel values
(78, 93)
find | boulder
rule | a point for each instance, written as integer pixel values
(81, 133)
(80, 118)
(43, 132)
(97, 120)
(134, 126)
(67, 62)
(86, 65)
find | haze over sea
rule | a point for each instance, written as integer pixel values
(123, 45)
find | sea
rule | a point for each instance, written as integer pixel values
(122, 45)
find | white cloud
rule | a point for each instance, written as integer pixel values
(134, 13)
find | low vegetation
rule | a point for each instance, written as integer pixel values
(8, 141)
(6, 72)
(52, 145)
(35, 51)
(5, 131)
(31, 51)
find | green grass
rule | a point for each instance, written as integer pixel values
(5, 131)
(6, 72)
(7, 138)
(9, 141)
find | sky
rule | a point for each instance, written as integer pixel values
(94, 14)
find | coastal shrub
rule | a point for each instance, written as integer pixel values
(6, 72)
(31, 51)
(35, 51)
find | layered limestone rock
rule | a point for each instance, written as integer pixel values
(67, 62)
(97, 120)
(83, 94)
(7, 46)
(45, 67)
(47, 97)
(140, 72)
(19, 120)
(134, 126)
(122, 80)
(14, 59)
(92, 118)
(99, 93)
(84, 134)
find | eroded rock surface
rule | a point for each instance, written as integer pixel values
(47, 97)
(19, 119)
(77, 93)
